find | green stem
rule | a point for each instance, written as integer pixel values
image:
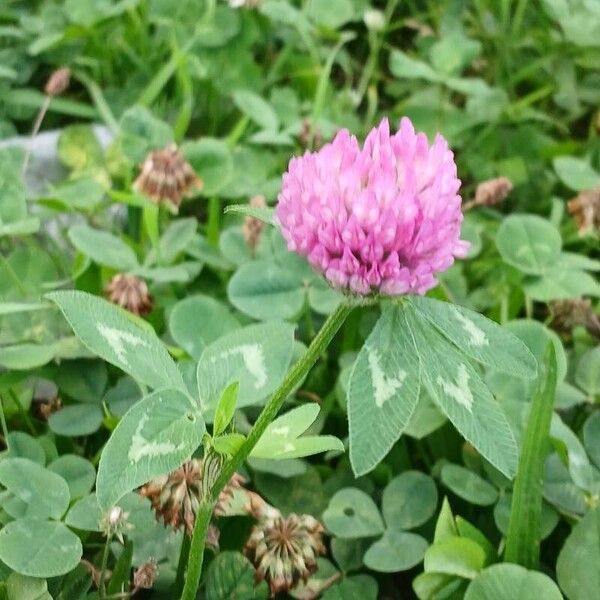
(524, 527)
(269, 412)
(213, 224)
(101, 583)
(3, 420)
(152, 228)
(183, 558)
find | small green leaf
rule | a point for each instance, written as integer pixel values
(112, 334)
(78, 472)
(44, 493)
(266, 290)
(229, 443)
(352, 514)
(396, 551)
(409, 500)
(76, 420)
(85, 514)
(529, 243)
(257, 109)
(103, 247)
(578, 565)
(575, 173)
(212, 160)
(383, 390)
(26, 356)
(19, 587)
(39, 548)
(405, 67)
(9, 308)
(445, 526)
(468, 485)
(333, 14)
(23, 445)
(509, 582)
(198, 321)
(230, 576)
(154, 437)
(281, 438)
(455, 556)
(561, 284)
(356, 587)
(587, 374)
(225, 408)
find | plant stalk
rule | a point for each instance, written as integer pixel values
(269, 412)
(102, 583)
(524, 527)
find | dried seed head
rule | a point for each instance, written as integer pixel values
(145, 575)
(574, 312)
(253, 227)
(176, 497)
(114, 522)
(58, 82)
(212, 538)
(284, 550)
(130, 292)
(492, 191)
(310, 135)
(585, 209)
(166, 177)
(42, 409)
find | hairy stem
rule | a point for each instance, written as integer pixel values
(269, 412)
(102, 583)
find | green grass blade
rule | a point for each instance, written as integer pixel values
(524, 528)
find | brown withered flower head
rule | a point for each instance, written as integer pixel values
(585, 209)
(284, 550)
(573, 312)
(176, 497)
(145, 575)
(253, 227)
(490, 192)
(166, 177)
(130, 292)
(58, 82)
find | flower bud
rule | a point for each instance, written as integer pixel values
(585, 209)
(253, 227)
(58, 82)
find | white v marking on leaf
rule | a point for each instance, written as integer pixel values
(478, 337)
(383, 386)
(460, 390)
(117, 339)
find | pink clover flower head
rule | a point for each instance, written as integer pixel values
(384, 218)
